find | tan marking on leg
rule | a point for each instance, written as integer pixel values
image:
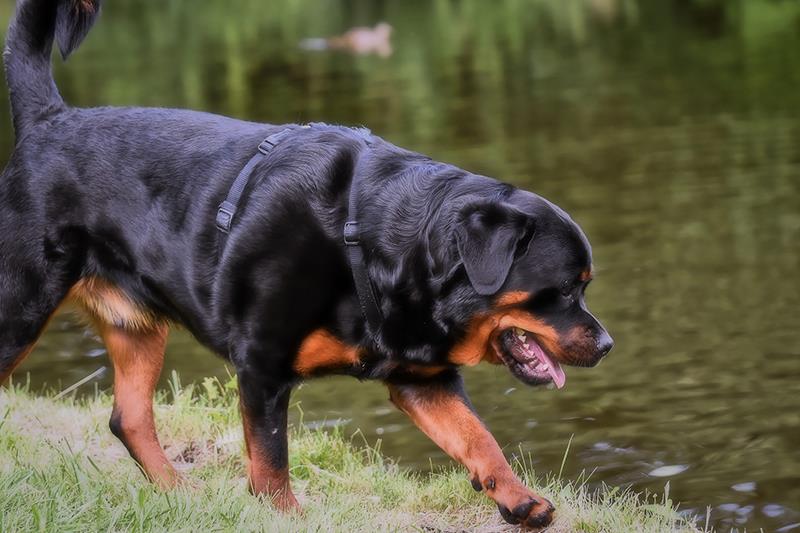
(135, 339)
(138, 358)
(321, 350)
(454, 427)
(265, 479)
(109, 304)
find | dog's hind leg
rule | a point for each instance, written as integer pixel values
(26, 305)
(137, 357)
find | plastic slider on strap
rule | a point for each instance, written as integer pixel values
(352, 237)
(224, 218)
(270, 142)
(267, 145)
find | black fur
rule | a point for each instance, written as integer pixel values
(130, 195)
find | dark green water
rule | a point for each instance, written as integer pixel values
(670, 130)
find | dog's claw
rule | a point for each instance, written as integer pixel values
(529, 514)
(476, 484)
(507, 515)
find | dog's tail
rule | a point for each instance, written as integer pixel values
(29, 44)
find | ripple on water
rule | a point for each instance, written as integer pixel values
(747, 486)
(773, 510)
(668, 470)
(333, 423)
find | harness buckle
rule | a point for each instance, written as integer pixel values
(352, 237)
(224, 219)
(266, 145)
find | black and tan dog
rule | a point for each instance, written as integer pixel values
(115, 208)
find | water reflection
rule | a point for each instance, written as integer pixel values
(670, 131)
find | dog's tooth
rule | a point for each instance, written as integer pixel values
(519, 331)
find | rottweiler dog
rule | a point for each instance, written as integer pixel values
(123, 210)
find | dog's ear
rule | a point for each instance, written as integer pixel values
(488, 233)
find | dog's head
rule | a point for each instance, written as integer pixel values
(529, 264)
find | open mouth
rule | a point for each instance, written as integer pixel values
(527, 360)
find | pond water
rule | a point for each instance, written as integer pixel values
(670, 130)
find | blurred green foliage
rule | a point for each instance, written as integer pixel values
(458, 64)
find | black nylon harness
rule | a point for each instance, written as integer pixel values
(352, 234)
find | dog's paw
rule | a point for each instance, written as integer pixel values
(532, 511)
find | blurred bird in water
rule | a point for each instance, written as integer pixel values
(360, 40)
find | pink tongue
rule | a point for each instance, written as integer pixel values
(553, 368)
(558, 375)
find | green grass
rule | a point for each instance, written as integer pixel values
(61, 470)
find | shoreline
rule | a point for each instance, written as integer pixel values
(61, 469)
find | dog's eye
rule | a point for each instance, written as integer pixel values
(569, 291)
(566, 288)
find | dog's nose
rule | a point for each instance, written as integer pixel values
(604, 344)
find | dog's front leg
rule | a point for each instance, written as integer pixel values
(264, 406)
(442, 411)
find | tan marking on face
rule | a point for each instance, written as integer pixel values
(512, 298)
(321, 350)
(581, 346)
(479, 342)
(545, 334)
(587, 274)
(476, 345)
(108, 304)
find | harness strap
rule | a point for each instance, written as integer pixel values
(227, 209)
(355, 252)
(352, 235)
